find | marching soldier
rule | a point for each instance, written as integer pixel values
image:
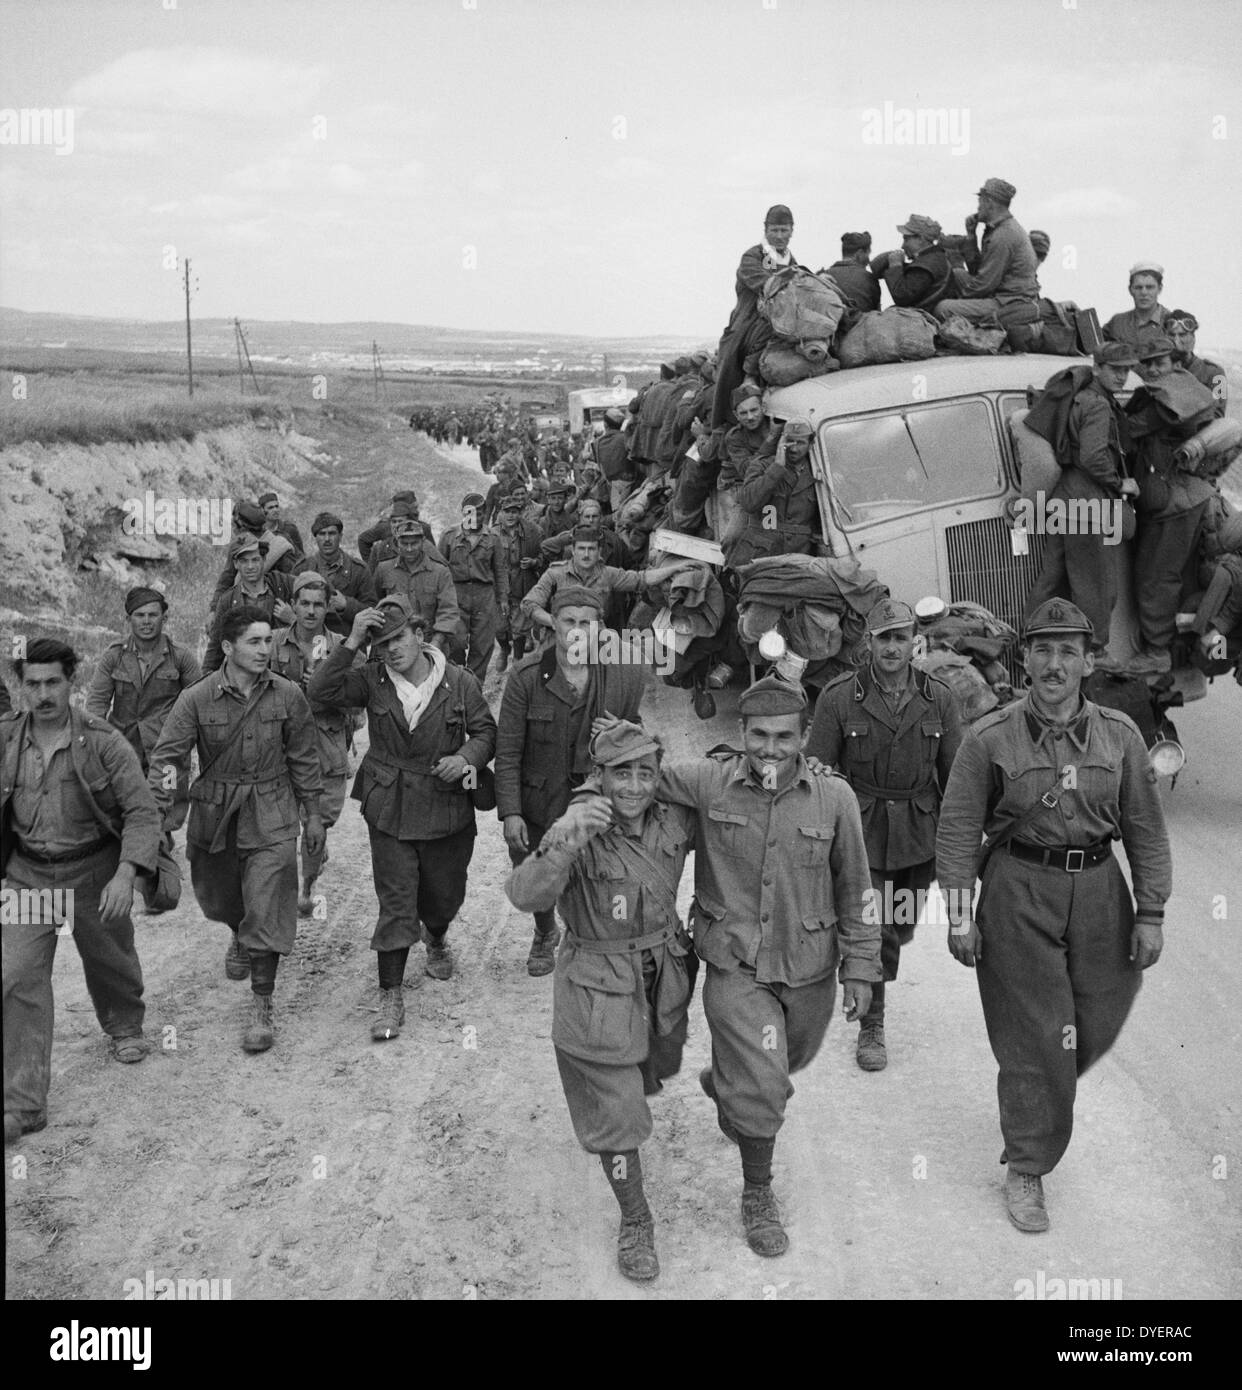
(551, 700)
(518, 542)
(279, 527)
(353, 587)
(892, 732)
(1060, 948)
(258, 760)
(481, 579)
(431, 736)
(267, 593)
(78, 821)
(614, 864)
(781, 880)
(584, 570)
(420, 576)
(137, 682)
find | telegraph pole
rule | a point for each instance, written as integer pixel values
(189, 350)
(377, 370)
(239, 334)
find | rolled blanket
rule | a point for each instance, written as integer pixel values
(814, 350)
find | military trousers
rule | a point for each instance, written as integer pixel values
(761, 1035)
(1056, 984)
(418, 882)
(1166, 561)
(1008, 312)
(254, 891)
(1082, 569)
(109, 962)
(480, 622)
(545, 921)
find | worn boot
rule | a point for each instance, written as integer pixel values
(871, 1054)
(1024, 1197)
(636, 1254)
(439, 959)
(761, 1217)
(391, 1015)
(237, 960)
(542, 957)
(259, 1034)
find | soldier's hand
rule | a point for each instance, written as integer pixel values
(965, 943)
(602, 722)
(337, 602)
(451, 769)
(516, 837)
(283, 612)
(365, 622)
(528, 562)
(118, 894)
(314, 835)
(815, 765)
(587, 816)
(1146, 943)
(971, 223)
(856, 999)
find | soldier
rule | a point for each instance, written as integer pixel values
(551, 700)
(431, 735)
(1053, 779)
(997, 278)
(267, 593)
(277, 551)
(258, 760)
(590, 515)
(137, 682)
(376, 542)
(614, 864)
(781, 881)
(420, 576)
(852, 275)
(918, 275)
(296, 652)
(560, 514)
(1181, 327)
(778, 497)
(519, 547)
(1138, 326)
(892, 732)
(584, 571)
(612, 452)
(78, 821)
(352, 587)
(481, 579)
(278, 527)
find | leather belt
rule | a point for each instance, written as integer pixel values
(70, 856)
(622, 948)
(1073, 861)
(890, 793)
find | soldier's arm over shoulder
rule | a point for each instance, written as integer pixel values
(540, 879)
(686, 783)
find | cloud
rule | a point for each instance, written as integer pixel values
(1084, 202)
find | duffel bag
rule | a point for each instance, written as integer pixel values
(889, 335)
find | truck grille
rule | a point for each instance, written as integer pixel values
(983, 569)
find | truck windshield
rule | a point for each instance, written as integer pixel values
(924, 456)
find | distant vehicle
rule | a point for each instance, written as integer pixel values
(588, 405)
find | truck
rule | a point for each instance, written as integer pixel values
(588, 405)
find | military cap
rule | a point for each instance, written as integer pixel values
(918, 225)
(513, 504)
(408, 495)
(268, 497)
(575, 596)
(1158, 347)
(250, 516)
(324, 520)
(888, 615)
(1184, 317)
(614, 415)
(405, 526)
(473, 499)
(397, 614)
(999, 190)
(1057, 615)
(623, 742)
(772, 695)
(744, 392)
(1115, 355)
(1039, 239)
(855, 241)
(244, 545)
(778, 215)
(309, 579)
(1147, 268)
(796, 429)
(559, 489)
(142, 595)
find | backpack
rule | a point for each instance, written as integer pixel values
(781, 364)
(960, 335)
(800, 305)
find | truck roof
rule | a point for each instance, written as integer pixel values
(860, 389)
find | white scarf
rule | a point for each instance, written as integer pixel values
(775, 257)
(416, 697)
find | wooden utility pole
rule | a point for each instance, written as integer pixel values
(189, 348)
(377, 371)
(243, 348)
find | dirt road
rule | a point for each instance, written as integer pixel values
(443, 1165)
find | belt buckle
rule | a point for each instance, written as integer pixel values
(1070, 866)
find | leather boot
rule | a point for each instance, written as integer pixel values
(391, 1015)
(762, 1218)
(236, 960)
(542, 957)
(1024, 1198)
(260, 1033)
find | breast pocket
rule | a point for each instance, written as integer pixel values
(727, 831)
(814, 846)
(541, 727)
(859, 746)
(215, 726)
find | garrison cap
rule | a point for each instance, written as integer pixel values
(745, 392)
(614, 415)
(1115, 355)
(250, 516)
(796, 429)
(1057, 615)
(1147, 268)
(513, 504)
(309, 579)
(244, 545)
(324, 520)
(406, 526)
(141, 596)
(772, 695)
(777, 215)
(623, 743)
(998, 189)
(1184, 317)
(1158, 347)
(888, 615)
(397, 614)
(575, 596)
(918, 225)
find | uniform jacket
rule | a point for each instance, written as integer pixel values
(1003, 267)
(741, 446)
(396, 790)
(260, 777)
(859, 288)
(428, 585)
(332, 724)
(923, 282)
(1010, 758)
(376, 543)
(1213, 377)
(135, 706)
(909, 754)
(110, 778)
(612, 452)
(348, 577)
(614, 889)
(277, 587)
(481, 563)
(1096, 440)
(790, 492)
(604, 580)
(780, 880)
(522, 543)
(537, 764)
(1128, 328)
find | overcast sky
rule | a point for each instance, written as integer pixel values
(584, 166)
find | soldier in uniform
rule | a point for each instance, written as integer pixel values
(352, 587)
(278, 526)
(1181, 326)
(892, 732)
(551, 700)
(431, 735)
(137, 682)
(778, 497)
(267, 593)
(420, 576)
(918, 275)
(852, 275)
(78, 820)
(614, 864)
(585, 571)
(481, 578)
(1060, 948)
(258, 758)
(560, 514)
(781, 883)
(518, 543)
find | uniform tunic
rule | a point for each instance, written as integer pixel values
(332, 726)
(352, 580)
(859, 288)
(276, 589)
(481, 578)
(782, 512)
(618, 1009)
(920, 283)
(428, 586)
(1055, 943)
(604, 580)
(522, 543)
(1000, 277)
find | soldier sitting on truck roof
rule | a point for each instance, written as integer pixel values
(997, 279)
(852, 275)
(917, 275)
